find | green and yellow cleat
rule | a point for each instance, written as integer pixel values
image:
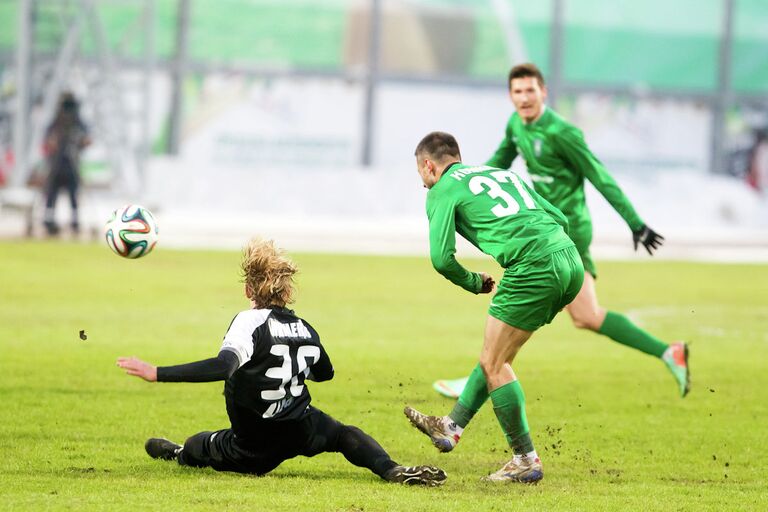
(676, 359)
(450, 388)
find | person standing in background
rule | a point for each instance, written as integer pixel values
(65, 139)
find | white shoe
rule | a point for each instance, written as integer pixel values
(522, 469)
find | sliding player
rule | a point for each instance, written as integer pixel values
(267, 355)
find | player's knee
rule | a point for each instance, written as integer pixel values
(588, 320)
(348, 438)
(582, 323)
(350, 431)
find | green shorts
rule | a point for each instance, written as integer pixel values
(583, 239)
(531, 294)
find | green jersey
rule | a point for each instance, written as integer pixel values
(558, 160)
(496, 212)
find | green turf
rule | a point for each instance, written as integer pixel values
(612, 432)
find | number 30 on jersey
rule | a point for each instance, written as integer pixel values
(306, 356)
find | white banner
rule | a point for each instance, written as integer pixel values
(284, 123)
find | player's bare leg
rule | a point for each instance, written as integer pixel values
(445, 431)
(587, 313)
(502, 343)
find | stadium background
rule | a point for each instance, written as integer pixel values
(298, 119)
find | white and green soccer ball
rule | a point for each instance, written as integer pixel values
(131, 231)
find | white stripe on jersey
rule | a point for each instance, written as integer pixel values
(239, 337)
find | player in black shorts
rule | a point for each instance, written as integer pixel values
(267, 354)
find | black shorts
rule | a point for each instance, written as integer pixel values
(258, 447)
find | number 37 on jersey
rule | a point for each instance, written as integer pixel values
(492, 185)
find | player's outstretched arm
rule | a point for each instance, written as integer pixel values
(649, 239)
(207, 370)
(139, 368)
(573, 149)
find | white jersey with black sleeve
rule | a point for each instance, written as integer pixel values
(276, 351)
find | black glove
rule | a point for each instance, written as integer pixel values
(650, 239)
(488, 284)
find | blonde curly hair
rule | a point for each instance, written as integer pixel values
(267, 273)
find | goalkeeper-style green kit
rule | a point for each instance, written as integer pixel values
(498, 213)
(558, 162)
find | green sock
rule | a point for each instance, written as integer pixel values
(471, 399)
(509, 406)
(621, 329)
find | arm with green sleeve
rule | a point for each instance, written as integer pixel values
(442, 245)
(505, 154)
(574, 150)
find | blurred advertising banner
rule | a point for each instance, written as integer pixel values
(240, 122)
(628, 134)
(634, 135)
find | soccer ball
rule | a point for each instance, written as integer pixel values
(131, 231)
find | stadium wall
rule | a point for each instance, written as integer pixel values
(236, 121)
(381, 211)
(279, 158)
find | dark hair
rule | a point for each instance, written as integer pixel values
(524, 71)
(70, 105)
(67, 115)
(438, 145)
(68, 101)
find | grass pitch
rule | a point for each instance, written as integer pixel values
(612, 432)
